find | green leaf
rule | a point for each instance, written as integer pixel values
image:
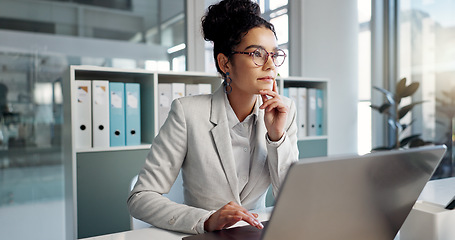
(382, 148)
(409, 90)
(384, 107)
(401, 86)
(406, 140)
(418, 142)
(375, 107)
(404, 110)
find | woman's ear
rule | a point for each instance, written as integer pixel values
(223, 62)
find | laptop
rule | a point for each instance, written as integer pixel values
(344, 197)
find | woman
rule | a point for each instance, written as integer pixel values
(230, 145)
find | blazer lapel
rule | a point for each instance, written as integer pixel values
(259, 155)
(221, 137)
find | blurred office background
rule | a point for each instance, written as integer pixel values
(358, 44)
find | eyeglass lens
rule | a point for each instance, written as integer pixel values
(260, 57)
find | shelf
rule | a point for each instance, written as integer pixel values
(112, 149)
(308, 138)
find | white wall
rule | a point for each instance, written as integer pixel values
(328, 38)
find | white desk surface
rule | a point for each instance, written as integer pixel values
(438, 191)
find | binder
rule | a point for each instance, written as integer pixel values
(132, 114)
(293, 95)
(319, 112)
(286, 92)
(83, 114)
(178, 90)
(311, 93)
(197, 89)
(205, 88)
(100, 113)
(164, 102)
(191, 89)
(301, 118)
(117, 114)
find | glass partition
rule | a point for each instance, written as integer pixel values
(39, 40)
(427, 56)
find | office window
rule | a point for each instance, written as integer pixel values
(427, 55)
(154, 24)
(276, 11)
(364, 74)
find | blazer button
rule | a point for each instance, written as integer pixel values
(171, 221)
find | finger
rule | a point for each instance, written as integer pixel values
(270, 93)
(264, 99)
(274, 88)
(271, 102)
(250, 219)
(278, 106)
(244, 215)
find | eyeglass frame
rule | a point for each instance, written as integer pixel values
(267, 56)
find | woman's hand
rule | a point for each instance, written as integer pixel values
(229, 215)
(276, 112)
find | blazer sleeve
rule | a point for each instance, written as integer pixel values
(159, 173)
(281, 156)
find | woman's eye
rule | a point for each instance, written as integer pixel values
(257, 54)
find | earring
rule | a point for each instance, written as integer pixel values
(227, 84)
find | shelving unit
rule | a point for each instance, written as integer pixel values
(97, 180)
(311, 146)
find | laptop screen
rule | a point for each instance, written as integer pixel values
(345, 197)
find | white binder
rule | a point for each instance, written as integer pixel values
(164, 102)
(83, 115)
(205, 88)
(294, 96)
(197, 89)
(178, 90)
(100, 115)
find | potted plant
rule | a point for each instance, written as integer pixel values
(395, 112)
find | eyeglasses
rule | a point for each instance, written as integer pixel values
(260, 56)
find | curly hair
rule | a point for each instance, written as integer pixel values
(227, 22)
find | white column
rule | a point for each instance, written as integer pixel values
(327, 31)
(195, 58)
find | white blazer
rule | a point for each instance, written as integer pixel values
(196, 139)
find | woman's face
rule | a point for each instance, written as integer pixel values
(247, 77)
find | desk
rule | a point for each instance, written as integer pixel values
(436, 191)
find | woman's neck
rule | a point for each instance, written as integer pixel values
(242, 104)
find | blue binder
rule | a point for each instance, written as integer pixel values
(286, 92)
(117, 114)
(133, 114)
(319, 112)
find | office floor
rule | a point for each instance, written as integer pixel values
(31, 203)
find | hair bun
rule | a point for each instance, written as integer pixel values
(221, 19)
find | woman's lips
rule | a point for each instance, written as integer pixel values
(266, 79)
